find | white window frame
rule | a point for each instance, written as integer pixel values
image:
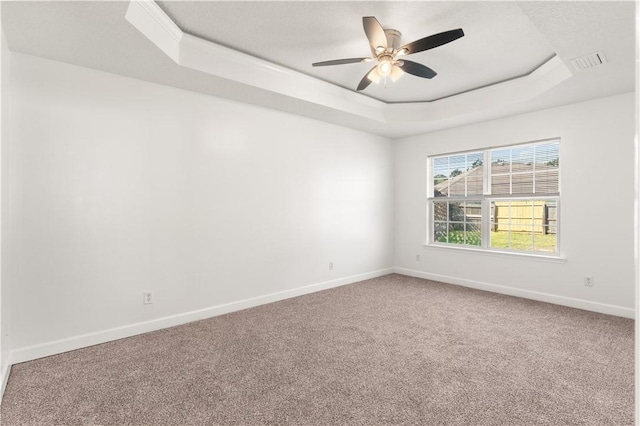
(485, 199)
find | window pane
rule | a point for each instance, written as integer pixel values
(511, 240)
(551, 215)
(547, 154)
(458, 175)
(545, 241)
(522, 159)
(547, 180)
(473, 233)
(454, 173)
(525, 225)
(457, 168)
(440, 164)
(456, 211)
(457, 186)
(472, 210)
(521, 215)
(474, 175)
(457, 222)
(501, 160)
(499, 240)
(474, 160)
(456, 165)
(501, 184)
(440, 210)
(522, 183)
(521, 241)
(526, 169)
(440, 232)
(474, 180)
(456, 233)
(500, 215)
(440, 187)
(440, 173)
(501, 225)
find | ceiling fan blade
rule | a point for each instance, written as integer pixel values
(375, 33)
(371, 76)
(341, 62)
(417, 69)
(396, 73)
(432, 41)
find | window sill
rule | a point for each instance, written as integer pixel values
(498, 253)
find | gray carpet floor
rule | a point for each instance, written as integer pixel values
(391, 350)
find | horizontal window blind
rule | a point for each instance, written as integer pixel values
(504, 198)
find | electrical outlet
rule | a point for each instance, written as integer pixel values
(417, 258)
(588, 281)
(331, 265)
(147, 297)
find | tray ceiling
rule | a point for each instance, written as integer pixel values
(515, 56)
(296, 34)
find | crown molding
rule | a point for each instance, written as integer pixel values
(202, 55)
(151, 21)
(198, 54)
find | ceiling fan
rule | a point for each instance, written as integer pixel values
(386, 50)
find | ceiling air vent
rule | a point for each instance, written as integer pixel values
(589, 61)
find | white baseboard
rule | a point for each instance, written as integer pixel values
(5, 370)
(526, 294)
(76, 342)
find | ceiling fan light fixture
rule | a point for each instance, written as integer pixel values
(396, 73)
(374, 77)
(385, 67)
(385, 48)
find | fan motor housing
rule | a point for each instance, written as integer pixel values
(393, 38)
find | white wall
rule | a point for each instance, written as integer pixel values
(5, 57)
(126, 186)
(597, 203)
(117, 186)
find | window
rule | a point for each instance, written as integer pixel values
(504, 199)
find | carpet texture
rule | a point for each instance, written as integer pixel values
(389, 350)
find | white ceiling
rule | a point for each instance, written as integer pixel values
(503, 40)
(296, 34)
